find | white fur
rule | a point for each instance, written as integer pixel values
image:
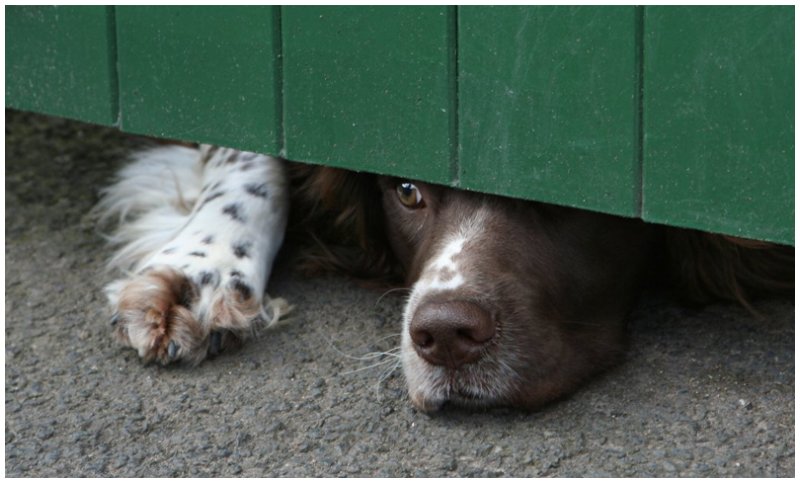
(443, 272)
(166, 219)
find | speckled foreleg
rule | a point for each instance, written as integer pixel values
(198, 284)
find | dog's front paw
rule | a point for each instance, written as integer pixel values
(200, 229)
(168, 315)
(154, 316)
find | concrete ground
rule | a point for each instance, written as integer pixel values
(702, 393)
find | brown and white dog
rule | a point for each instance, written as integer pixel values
(515, 302)
(512, 302)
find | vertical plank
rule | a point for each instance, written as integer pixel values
(548, 104)
(367, 88)
(61, 61)
(719, 119)
(206, 74)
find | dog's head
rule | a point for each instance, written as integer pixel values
(512, 302)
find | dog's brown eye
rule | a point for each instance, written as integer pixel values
(409, 195)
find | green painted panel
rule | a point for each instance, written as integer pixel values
(370, 88)
(559, 104)
(548, 104)
(60, 61)
(205, 74)
(719, 119)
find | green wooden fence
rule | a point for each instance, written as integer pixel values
(677, 115)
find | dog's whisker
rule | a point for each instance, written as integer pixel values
(377, 355)
(383, 377)
(391, 290)
(394, 352)
(365, 368)
(397, 334)
(389, 371)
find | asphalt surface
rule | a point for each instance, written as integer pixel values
(702, 393)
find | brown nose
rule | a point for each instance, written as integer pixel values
(451, 333)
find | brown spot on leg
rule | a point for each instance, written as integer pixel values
(244, 290)
(259, 190)
(210, 198)
(208, 278)
(234, 210)
(242, 249)
(232, 157)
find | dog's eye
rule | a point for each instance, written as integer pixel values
(409, 195)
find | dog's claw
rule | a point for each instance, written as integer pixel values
(172, 350)
(115, 319)
(216, 343)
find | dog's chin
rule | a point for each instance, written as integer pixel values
(432, 388)
(432, 402)
(491, 382)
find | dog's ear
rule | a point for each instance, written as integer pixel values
(704, 267)
(338, 218)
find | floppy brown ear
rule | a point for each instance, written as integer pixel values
(704, 267)
(338, 218)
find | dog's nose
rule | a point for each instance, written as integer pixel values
(451, 333)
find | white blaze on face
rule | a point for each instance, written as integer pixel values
(442, 272)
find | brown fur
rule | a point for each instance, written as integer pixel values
(341, 229)
(344, 217)
(705, 267)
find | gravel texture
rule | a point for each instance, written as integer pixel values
(702, 393)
